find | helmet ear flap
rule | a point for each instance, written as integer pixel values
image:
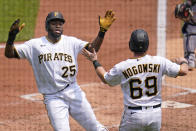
(47, 26)
(131, 45)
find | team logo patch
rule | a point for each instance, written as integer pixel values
(55, 13)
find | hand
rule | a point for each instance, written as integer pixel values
(15, 28)
(90, 56)
(179, 60)
(107, 21)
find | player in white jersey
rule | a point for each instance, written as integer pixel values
(54, 61)
(140, 78)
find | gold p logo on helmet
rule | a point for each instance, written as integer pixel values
(55, 13)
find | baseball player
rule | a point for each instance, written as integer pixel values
(140, 77)
(186, 12)
(54, 61)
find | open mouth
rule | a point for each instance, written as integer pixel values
(57, 31)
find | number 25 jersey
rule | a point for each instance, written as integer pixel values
(54, 65)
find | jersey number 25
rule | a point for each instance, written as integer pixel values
(69, 70)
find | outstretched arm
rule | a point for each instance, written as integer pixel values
(183, 65)
(10, 51)
(98, 67)
(104, 23)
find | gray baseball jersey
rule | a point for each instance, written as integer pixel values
(191, 27)
(189, 31)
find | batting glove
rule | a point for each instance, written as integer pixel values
(14, 30)
(107, 21)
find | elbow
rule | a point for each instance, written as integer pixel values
(8, 55)
(90, 47)
(183, 73)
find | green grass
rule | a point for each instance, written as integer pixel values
(10, 10)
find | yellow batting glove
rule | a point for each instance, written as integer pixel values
(107, 21)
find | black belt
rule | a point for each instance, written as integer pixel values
(63, 88)
(140, 107)
(58, 91)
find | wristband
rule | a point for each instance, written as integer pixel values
(10, 41)
(96, 64)
(103, 29)
(101, 34)
(11, 38)
(184, 62)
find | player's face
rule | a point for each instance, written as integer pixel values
(56, 28)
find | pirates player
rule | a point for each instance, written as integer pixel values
(54, 61)
(140, 78)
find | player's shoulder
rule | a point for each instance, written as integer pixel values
(156, 57)
(66, 37)
(122, 64)
(33, 41)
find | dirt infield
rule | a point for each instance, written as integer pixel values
(21, 106)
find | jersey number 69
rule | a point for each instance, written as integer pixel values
(150, 84)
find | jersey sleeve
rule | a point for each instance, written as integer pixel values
(113, 76)
(170, 68)
(79, 45)
(24, 50)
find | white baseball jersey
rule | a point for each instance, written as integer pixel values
(54, 65)
(141, 79)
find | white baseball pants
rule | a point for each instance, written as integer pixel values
(146, 119)
(71, 101)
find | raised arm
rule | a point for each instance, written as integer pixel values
(98, 67)
(104, 23)
(10, 51)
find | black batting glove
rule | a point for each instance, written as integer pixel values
(14, 30)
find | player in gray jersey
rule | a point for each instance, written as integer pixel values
(54, 61)
(140, 78)
(187, 12)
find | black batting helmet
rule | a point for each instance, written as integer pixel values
(139, 41)
(55, 15)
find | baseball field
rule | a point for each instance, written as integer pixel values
(21, 106)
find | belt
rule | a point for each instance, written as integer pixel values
(58, 91)
(63, 88)
(140, 107)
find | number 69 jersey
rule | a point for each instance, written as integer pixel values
(54, 65)
(141, 79)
